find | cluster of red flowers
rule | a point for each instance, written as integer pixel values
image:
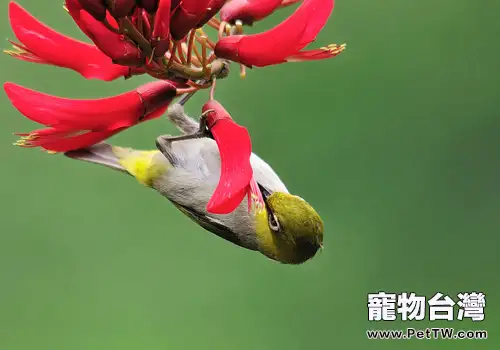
(167, 40)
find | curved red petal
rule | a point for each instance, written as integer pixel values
(65, 144)
(236, 172)
(59, 50)
(109, 113)
(112, 44)
(97, 8)
(63, 139)
(276, 44)
(161, 30)
(75, 10)
(162, 20)
(213, 8)
(285, 3)
(235, 148)
(248, 11)
(186, 17)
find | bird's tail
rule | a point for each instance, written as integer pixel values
(143, 165)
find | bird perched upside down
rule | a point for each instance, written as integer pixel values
(282, 226)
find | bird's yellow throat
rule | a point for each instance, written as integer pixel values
(143, 165)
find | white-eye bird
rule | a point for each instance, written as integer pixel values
(286, 229)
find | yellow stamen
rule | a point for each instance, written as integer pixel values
(215, 21)
(180, 53)
(197, 53)
(243, 71)
(239, 27)
(16, 50)
(207, 39)
(222, 28)
(334, 49)
(151, 58)
(204, 63)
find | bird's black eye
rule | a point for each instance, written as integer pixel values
(273, 222)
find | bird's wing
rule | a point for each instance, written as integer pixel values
(211, 224)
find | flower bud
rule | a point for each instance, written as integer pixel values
(161, 31)
(115, 46)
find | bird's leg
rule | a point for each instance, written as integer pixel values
(164, 145)
(202, 131)
(164, 142)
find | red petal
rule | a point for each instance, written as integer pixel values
(80, 141)
(285, 3)
(248, 11)
(110, 113)
(65, 139)
(59, 50)
(186, 17)
(235, 149)
(113, 45)
(97, 8)
(280, 42)
(162, 20)
(56, 140)
(75, 11)
(214, 6)
(161, 31)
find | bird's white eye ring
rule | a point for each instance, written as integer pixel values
(273, 222)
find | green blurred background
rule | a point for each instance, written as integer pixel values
(395, 142)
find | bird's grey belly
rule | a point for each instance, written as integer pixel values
(190, 183)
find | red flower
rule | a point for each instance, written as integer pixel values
(165, 39)
(235, 147)
(41, 44)
(73, 124)
(284, 42)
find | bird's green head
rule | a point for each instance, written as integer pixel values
(289, 230)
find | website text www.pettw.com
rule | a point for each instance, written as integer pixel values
(427, 333)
